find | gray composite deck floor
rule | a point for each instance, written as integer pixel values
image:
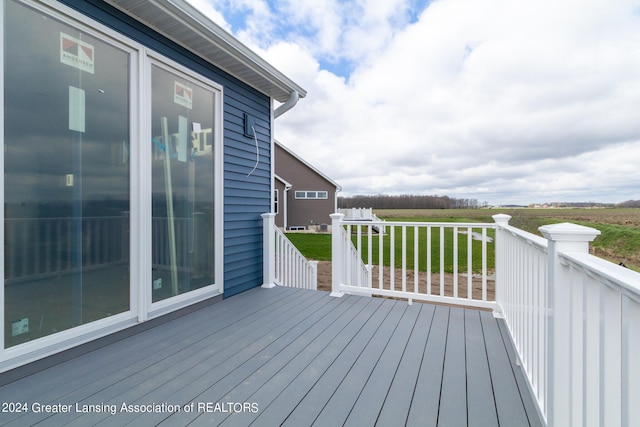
(291, 357)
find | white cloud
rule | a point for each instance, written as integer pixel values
(211, 9)
(515, 101)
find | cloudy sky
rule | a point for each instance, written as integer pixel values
(501, 101)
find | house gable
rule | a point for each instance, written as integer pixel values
(312, 196)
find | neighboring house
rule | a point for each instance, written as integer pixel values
(304, 196)
(137, 153)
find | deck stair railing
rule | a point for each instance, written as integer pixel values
(284, 264)
(351, 267)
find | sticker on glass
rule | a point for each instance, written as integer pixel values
(183, 95)
(77, 53)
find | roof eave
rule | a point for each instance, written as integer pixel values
(309, 165)
(187, 26)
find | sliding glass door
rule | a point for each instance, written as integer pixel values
(108, 220)
(183, 131)
(66, 176)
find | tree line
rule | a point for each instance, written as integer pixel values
(629, 204)
(407, 201)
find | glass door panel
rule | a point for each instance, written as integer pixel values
(66, 143)
(182, 184)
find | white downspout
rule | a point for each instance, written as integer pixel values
(294, 96)
(285, 219)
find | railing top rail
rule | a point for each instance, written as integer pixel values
(292, 247)
(531, 238)
(422, 224)
(613, 275)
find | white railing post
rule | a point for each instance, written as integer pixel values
(268, 250)
(336, 254)
(314, 274)
(501, 221)
(563, 237)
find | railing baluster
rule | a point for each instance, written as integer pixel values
(484, 264)
(392, 264)
(630, 360)
(369, 244)
(428, 255)
(348, 261)
(416, 259)
(469, 263)
(404, 258)
(359, 250)
(455, 262)
(441, 260)
(380, 258)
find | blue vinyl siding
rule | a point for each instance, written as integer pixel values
(245, 197)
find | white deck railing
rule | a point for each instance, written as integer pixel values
(350, 266)
(593, 343)
(284, 265)
(419, 274)
(521, 276)
(574, 318)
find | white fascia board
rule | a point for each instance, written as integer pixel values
(286, 183)
(187, 26)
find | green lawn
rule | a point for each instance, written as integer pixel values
(446, 239)
(318, 246)
(313, 246)
(619, 241)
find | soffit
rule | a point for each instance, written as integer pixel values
(188, 27)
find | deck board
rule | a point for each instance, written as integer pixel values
(266, 392)
(320, 393)
(375, 391)
(303, 358)
(426, 398)
(341, 402)
(179, 370)
(509, 404)
(398, 400)
(453, 395)
(530, 408)
(265, 383)
(239, 352)
(482, 407)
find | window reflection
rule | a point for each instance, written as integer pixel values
(182, 152)
(66, 176)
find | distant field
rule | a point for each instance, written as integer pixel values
(620, 228)
(619, 241)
